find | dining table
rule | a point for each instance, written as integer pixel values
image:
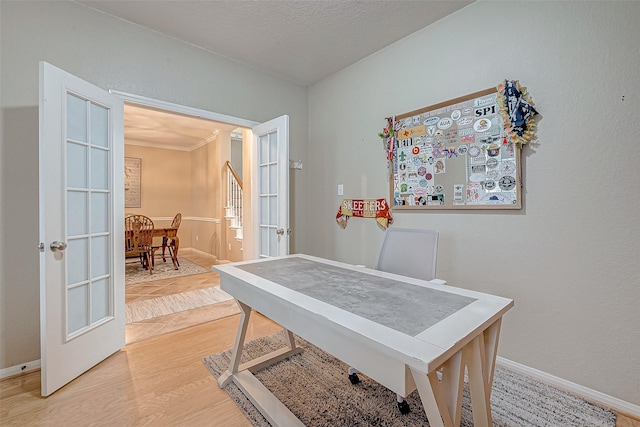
(407, 334)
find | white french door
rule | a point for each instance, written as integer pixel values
(81, 226)
(271, 192)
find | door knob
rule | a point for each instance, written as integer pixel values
(280, 231)
(58, 246)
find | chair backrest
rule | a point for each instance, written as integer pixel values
(409, 252)
(138, 231)
(176, 220)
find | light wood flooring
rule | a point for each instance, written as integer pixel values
(176, 285)
(157, 381)
(160, 381)
(174, 322)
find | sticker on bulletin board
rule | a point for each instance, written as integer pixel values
(455, 155)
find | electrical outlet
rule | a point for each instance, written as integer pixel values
(340, 190)
(196, 238)
(229, 246)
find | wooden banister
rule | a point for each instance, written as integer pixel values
(233, 172)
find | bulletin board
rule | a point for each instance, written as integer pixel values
(455, 155)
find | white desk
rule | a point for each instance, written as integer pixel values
(396, 330)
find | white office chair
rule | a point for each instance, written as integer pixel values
(408, 252)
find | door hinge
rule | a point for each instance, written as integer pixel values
(41, 246)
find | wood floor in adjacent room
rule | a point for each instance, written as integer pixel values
(157, 381)
(158, 288)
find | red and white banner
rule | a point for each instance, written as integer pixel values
(364, 208)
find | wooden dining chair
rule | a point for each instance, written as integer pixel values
(171, 242)
(138, 232)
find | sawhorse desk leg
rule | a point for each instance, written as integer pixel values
(271, 408)
(442, 397)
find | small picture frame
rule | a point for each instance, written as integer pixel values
(132, 180)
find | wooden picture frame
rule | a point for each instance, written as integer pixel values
(132, 182)
(455, 155)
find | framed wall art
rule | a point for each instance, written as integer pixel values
(132, 182)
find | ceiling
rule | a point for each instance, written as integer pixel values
(161, 129)
(302, 41)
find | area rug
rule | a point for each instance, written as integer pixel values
(138, 311)
(314, 386)
(134, 273)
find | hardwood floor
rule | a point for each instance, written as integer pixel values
(161, 325)
(158, 381)
(158, 288)
(624, 421)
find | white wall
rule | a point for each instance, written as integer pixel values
(570, 257)
(111, 54)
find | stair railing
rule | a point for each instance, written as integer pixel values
(233, 208)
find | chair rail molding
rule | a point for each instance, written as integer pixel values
(187, 218)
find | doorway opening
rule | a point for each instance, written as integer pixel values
(183, 167)
(193, 166)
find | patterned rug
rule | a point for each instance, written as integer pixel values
(314, 386)
(134, 273)
(138, 311)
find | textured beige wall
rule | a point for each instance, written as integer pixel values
(569, 258)
(188, 182)
(166, 180)
(206, 197)
(165, 186)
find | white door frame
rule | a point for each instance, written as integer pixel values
(183, 109)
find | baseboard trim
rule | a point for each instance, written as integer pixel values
(19, 369)
(613, 403)
(196, 251)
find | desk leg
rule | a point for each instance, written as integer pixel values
(269, 406)
(480, 357)
(259, 362)
(442, 397)
(227, 376)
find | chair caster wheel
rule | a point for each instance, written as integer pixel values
(404, 407)
(354, 378)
